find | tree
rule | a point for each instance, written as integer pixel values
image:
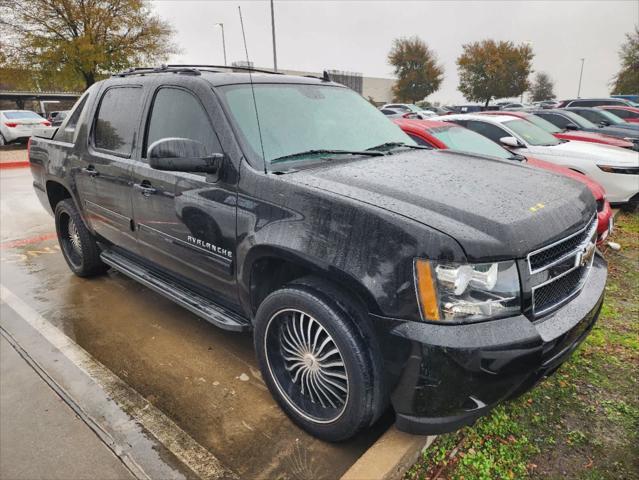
(542, 88)
(490, 69)
(78, 41)
(417, 70)
(626, 82)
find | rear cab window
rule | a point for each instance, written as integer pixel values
(116, 120)
(67, 131)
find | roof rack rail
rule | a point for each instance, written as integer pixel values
(227, 67)
(160, 69)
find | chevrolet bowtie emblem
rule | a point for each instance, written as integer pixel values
(585, 256)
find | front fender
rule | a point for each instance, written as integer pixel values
(365, 248)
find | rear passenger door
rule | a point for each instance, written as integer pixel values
(108, 163)
(186, 221)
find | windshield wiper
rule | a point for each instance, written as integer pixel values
(399, 144)
(369, 153)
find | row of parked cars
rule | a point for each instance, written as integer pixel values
(416, 266)
(591, 141)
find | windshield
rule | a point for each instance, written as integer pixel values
(532, 134)
(543, 124)
(579, 120)
(20, 115)
(460, 138)
(296, 118)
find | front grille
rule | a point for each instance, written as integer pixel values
(559, 270)
(558, 291)
(558, 251)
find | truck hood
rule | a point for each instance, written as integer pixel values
(598, 153)
(495, 209)
(595, 188)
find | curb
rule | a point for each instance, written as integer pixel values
(389, 457)
(4, 165)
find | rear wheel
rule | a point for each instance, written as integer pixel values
(321, 366)
(79, 248)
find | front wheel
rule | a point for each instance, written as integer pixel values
(319, 362)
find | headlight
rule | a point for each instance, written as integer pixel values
(622, 170)
(467, 292)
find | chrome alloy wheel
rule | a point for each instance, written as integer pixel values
(74, 236)
(307, 365)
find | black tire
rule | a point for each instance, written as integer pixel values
(309, 306)
(78, 245)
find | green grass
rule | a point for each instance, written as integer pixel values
(581, 423)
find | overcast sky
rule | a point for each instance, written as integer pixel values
(357, 35)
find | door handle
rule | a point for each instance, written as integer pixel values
(91, 171)
(145, 188)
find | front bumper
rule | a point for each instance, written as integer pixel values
(457, 373)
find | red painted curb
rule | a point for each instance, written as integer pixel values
(13, 164)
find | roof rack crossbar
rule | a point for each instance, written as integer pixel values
(227, 67)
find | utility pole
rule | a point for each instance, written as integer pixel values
(273, 29)
(580, 75)
(221, 25)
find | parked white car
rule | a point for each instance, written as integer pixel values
(616, 169)
(19, 125)
(419, 112)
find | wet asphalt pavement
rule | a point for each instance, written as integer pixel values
(204, 379)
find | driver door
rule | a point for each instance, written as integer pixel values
(185, 222)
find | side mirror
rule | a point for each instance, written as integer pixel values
(604, 123)
(183, 155)
(572, 126)
(510, 142)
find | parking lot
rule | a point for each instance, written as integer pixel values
(194, 389)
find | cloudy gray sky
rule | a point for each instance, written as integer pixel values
(357, 35)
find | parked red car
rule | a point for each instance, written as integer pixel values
(566, 134)
(444, 135)
(629, 114)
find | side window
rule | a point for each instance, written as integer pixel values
(488, 130)
(557, 120)
(419, 140)
(117, 119)
(622, 113)
(66, 132)
(178, 113)
(589, 115)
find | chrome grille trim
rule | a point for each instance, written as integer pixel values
(570, 296)
(569, 285)
(591, 227)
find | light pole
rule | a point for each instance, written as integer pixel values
(580, 75)
(221, 25)
(273, 29)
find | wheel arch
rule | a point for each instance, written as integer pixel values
(56, 192)
(268, 268)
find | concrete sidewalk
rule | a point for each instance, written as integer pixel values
(40, 436)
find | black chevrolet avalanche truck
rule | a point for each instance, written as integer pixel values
(372, 272)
